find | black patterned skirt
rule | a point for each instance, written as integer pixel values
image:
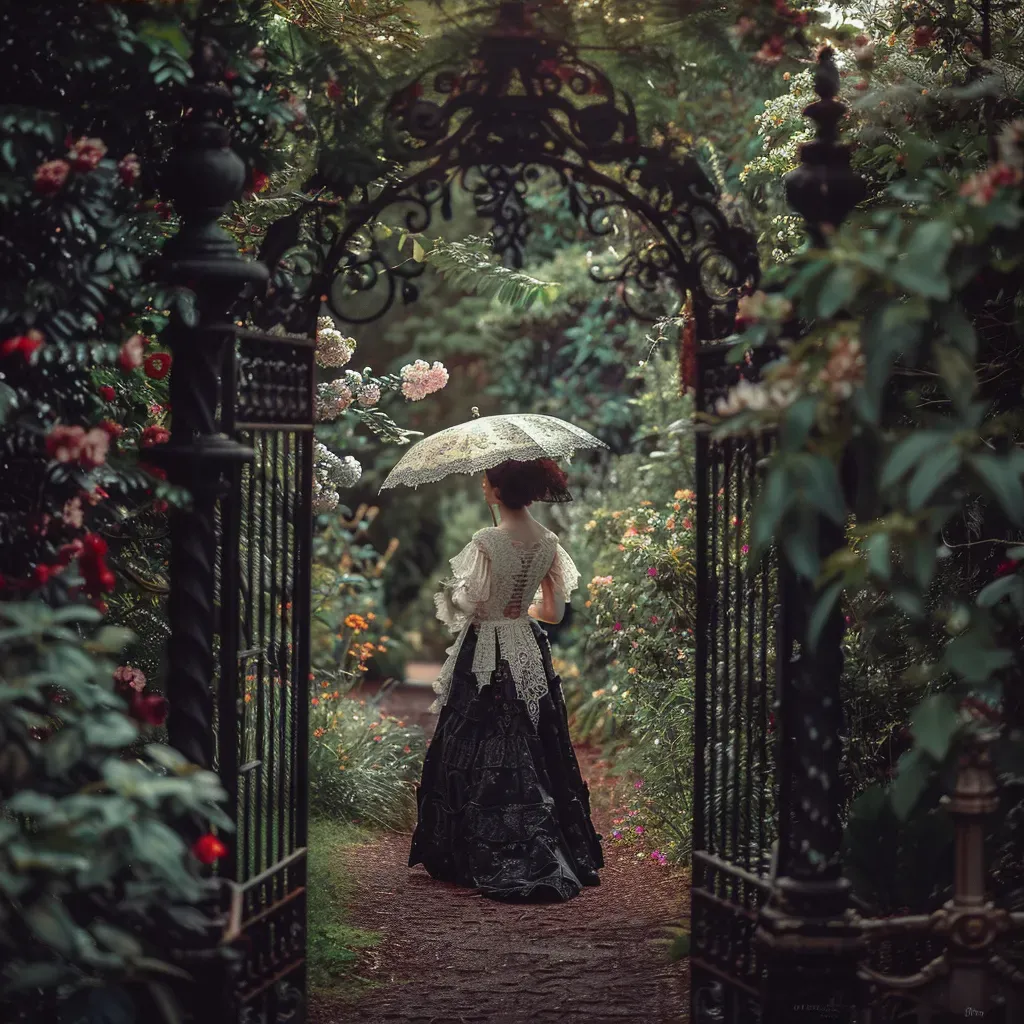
(502, 805)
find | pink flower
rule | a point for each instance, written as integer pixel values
(86, 154)
(639, 784)
(654, 620)
(771, 52)
(72, 512)
(368, 395)
(653, 571)
(377, 739)
(132, 678)
(50, 177)
(616, 834)
(128, 167)
(745, 550)
(420, 379)
(617, 627)
(95, 445)
(65, 443)
(131, 354)
(639, 830)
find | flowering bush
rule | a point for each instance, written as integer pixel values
(363, 765)
(629, 672)
(97, 884)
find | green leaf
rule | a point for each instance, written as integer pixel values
(956, 324)
(973, 656)
(1011, 586)
(800, 543)
(933, 471)
(8, 401)
(838, 290)
(771, 506)
(912, 776)
(823, 608)
(934, 723)
(1003, 480)
(52, 924)
(821, 486)
(878, 555)
(957, 372)
(797, 422)
(909, 453)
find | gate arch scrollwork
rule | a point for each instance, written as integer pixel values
(525, 106)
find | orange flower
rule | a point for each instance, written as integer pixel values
(318, 733)
(356, 622)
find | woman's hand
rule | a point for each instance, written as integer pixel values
(551, 608)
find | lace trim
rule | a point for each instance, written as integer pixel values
(511, 639)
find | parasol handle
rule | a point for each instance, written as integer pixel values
(475, 413)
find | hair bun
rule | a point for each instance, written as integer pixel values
(522, 483)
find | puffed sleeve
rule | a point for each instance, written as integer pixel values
(468, 588)
(563, 575)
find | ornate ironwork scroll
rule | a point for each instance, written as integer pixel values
(525, 106)
(263, 702)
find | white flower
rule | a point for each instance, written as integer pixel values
(332, 347)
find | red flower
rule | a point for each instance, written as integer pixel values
(42, 573)
(158, 365)
(150, 710)
(924, 35)
(208, 849)
(50, 177)
(86, 154)
(94, 544)
(259, 182)
(130, 356)
(334, 91)
(155, 435)
(1005, 568)
(163, 209)
(107, 393)
(160, 474)
(129, 167)
(26, 344)
(113, 430)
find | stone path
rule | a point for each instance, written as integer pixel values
(450, 957)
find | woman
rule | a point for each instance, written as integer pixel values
(502, 806)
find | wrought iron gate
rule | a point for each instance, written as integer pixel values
(735, 807)
(263, 704)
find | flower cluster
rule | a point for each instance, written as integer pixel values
(332, 473)
(420, 379)
(981, 188)
(332, 399)
(87, 448)
(333, 349)
(761, 306)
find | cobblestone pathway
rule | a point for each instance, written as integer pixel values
(450, 957)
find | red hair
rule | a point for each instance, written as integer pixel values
(522, 483)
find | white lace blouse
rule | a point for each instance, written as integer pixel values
(495, 580)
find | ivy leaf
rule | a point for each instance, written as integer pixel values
(934, 470)
(934, 723)
(1003, 480)
(912, 775)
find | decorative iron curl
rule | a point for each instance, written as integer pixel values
(526, 104)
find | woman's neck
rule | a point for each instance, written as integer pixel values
(513, 516)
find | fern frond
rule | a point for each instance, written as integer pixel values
(470, 266)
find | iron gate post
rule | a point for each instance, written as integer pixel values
(202, 177)
(810, 943)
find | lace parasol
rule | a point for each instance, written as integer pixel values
(485, 442)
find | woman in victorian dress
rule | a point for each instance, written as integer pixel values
(503, 808)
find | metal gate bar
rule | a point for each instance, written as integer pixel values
(734, 799)
(264, 702)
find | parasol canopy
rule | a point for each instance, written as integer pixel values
(485, 442)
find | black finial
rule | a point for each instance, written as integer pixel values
(823, 189)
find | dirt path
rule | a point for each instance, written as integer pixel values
(450, 957)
